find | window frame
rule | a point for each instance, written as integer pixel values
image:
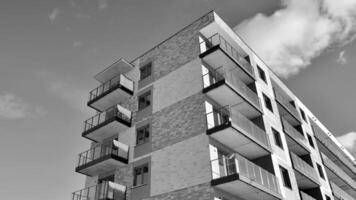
(310, 140)
(144, 133)
(262, 74)
(146, 70)
(285, 177)
(268, 102)
(277, 140)
(147, 100)
(140, 170)
(320, 170)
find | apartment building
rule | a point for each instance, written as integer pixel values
(201, 117)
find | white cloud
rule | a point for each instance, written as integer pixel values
(103, 4)
(54, 15)
(341, 58)
(348, 141)
(13, 107)
(77, 44)
(291, 37)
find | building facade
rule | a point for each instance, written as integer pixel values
(201, 117)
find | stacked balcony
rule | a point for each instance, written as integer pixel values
(228, 126)
(305, 196)
(338, 193)
(295, 139)
(102, 158)
(286, 106)
(339, 177)
(240, 177)
(306, 175)
(104, 191)
(107, 124)
(111, 92)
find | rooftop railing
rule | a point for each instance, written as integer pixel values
(304, 168)
(231, 77)
(217, 39)
(239, 165)
(110, 84)
(111, 113)
(117, 149)
(107, 190)
(230, 114)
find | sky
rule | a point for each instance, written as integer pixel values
(51, 49)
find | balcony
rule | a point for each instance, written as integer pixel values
(305, 196)
(339, 177)
(113, 91)
(237, 132)
(285, 107)
(306, 175)
(339, 194)
(104, 191)
(216, 51)
(296, 141)
(102, 158)
(242, 178)
(108, 123)
(224, 86)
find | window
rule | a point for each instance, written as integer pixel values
(303, 115)
(268, 102)
(247, 58)
(310, 139)
(262, 74)
(285, 177)
(327, 197)
(142, 134)
(277, 138)
(144, 100)
(320, 170)
(146, 71)
(140, 175)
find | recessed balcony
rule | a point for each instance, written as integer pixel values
(295, 140)
(305, 196)
(242, 178)
(237, 132)
(338, 193)
(108, 123)
(103, 158)
(225, 87)
(111, 92)
(104, 191)
(285, 107)
(306, 175)
(216, 52)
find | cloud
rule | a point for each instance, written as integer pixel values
(77, 44)
(348, 141)
(301, 30)
(341, 59)
(102, 4)
(54, 15)
(13, 107)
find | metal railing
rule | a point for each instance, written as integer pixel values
(237, 164)
(282, 99)
(293, 133)
(305, 196)
(108, 114)
(217, 39)
(231, 77)
(114, 82)
(340, 193)
(230, 114)
(304, 168)
(117, 148)
(106, 190)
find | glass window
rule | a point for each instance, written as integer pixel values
(142, 135)
(146, 71)
(140, 175)
(277, 138)
(268, 102)
(302, 113)
(144, 100)
(262, 74)
(320, 170)
(285, 177)
(310, 139)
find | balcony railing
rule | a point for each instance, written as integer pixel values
(282, 99)
(112, 113)
(231, 77)
(116, 81)
(105, 191)
(305, 196)
(340, 193)
(116, 149)
(230, 115)
(304, 168)
(239, 165)
(293, 133)
(218, 40)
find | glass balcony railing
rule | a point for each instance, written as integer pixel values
(104, 191)
(112, 113)
(304, 168)
(305, 196)
(117, 81)
(293, 133)
(218, 40)
(237, 164)
(232, 78)
(282, 99)
(230, 114)
(116, 149)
